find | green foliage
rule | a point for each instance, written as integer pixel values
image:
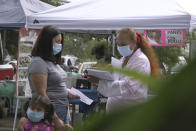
(169, 55)
(100, 43)
(151, 82)
(53, 2)
(172, 109)
(81, 45)
(12, 42)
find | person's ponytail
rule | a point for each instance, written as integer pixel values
(147, 49)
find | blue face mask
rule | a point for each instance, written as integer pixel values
(35, 116)
(57, 48)
(124, 50)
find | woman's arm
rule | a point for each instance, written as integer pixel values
(39, 82)
(111, 88)
(125, 85)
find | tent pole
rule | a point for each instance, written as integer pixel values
(113, 43)
(1, 50)
(192, 48)
(16, 112)
(3, 45)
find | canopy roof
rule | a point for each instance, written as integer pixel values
(113, 15)
(13, 12)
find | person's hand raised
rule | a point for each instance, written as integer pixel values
(92, 79)
(71, 96)
(59, 125)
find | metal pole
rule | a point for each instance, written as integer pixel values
(16, 112)
(4, 38)
(192, 47)
(1, 49)
(113, 44)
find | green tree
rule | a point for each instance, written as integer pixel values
(53, 2)
(12, 42)
(81, 45)
(169, 55)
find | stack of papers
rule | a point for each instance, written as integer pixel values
(116, 63)
(100, 74)
(83, 97)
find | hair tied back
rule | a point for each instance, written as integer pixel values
(138, 38)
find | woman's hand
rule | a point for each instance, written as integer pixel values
(69, 127)
(59, 125)
(22, 123)
(71, 96)
(93, 79)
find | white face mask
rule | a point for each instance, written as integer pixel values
(57, 48)
(124, 50)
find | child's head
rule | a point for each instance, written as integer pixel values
(39, 108)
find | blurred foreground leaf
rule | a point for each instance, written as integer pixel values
(172, 109)
(152, 82)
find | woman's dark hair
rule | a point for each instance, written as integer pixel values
(44, 45)
(99, 49)
(41, 101)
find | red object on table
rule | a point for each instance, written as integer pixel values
(6, 72)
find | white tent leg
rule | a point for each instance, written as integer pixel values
(113, 44)
(16, 112)
(1, 49)
(193, 49)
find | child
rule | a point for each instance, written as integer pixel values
(39, 114)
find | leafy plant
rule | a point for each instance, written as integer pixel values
(12, 42)
(169, 55)
(81, 45)
(172, 109)
(53, 2)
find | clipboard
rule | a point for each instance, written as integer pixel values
(100, 74)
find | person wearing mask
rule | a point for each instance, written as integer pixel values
(38, 115)
(137, 54)
(45, 75)
(100, 52)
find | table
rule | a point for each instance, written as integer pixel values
(84, 108)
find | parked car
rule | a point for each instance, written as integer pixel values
(69, 60)
(178, 66)
(84, 66)
(6, 72)
(12, 62)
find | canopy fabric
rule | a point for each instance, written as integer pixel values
(189, 6)
(113, 15)
(13, 12)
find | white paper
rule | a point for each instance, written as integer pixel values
(100, 74)
(116, 63)
(83, 97)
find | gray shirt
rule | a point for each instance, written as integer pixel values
(56, 83)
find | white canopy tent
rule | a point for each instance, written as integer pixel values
(13, 12)
(189, 6)
(110, 15)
